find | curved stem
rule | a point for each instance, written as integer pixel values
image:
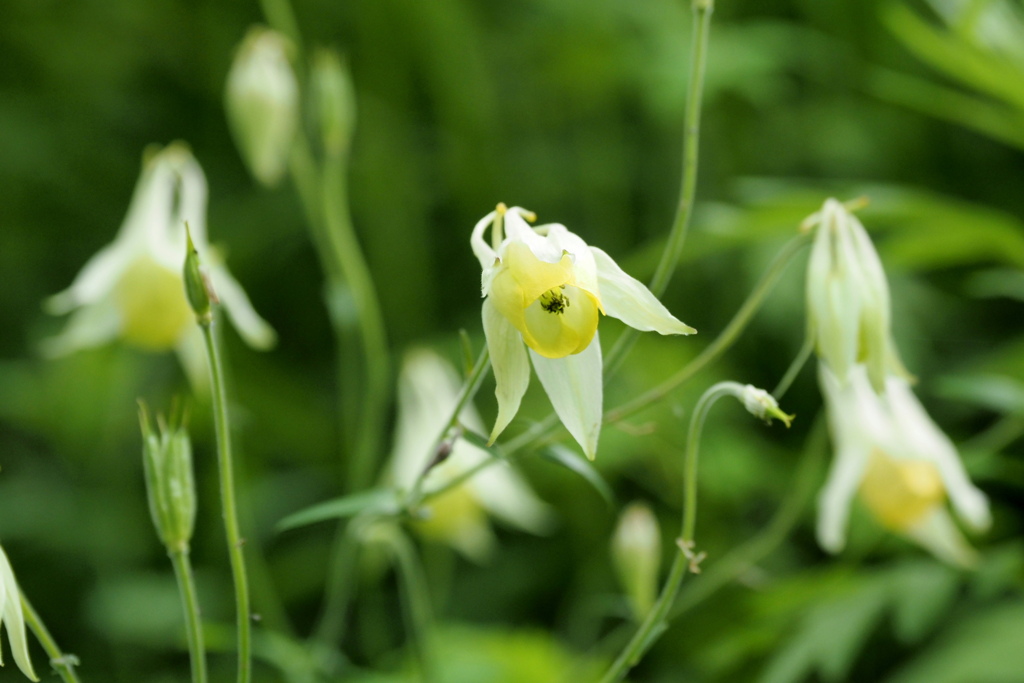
(702, 11)
(419, 612)
(794, 368)
(63, 663)
(742, 557)
(657, 619)
(229, 506)
(190, 603)
(469, 389)
(723, 341)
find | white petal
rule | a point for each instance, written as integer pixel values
(836, 497)
(481, 249)
(627, 299)
(924, 439)
(90, 326)
(518, 230)
(95, 281)
(574, 386)
(14, 619)
(192, 354)
(938, 534)
(254, 329)
(506, 495)
(510, 364)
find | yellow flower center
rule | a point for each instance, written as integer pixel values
(555, 317)
(154, 311)
(900, 493)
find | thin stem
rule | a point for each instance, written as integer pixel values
(794, 368)
(734, 563)
(338, 592)
(64, 664)
(469, 389)
(419, 612)
(347, 254)
(229, 506)
(723, 341)
(657, 619)
(190, 603)
(281, 17)
(702, 11)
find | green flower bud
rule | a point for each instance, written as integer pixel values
(636, 553)
(170, 486)
(197, 287)
(334, 101)
(262, 102)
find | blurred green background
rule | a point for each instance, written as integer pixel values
(572, 109)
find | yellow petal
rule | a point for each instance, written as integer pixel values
(901, 492)
(154, 311)
(561, 322)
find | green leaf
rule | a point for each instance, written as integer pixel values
(570, 460)
(984, 646)
(377, 501)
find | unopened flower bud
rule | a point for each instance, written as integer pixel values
(262, 102)
(333, 100)
(848, 297)
(763, 405)
(636, 553)
(170, 486)
(197, 286)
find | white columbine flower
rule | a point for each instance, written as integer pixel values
(903, 466)
(544, 286)
(428, 391)
(262, 102)
(13, 618)
(848, 297)
(133, 288)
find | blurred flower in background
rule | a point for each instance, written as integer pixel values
(887, 448)
(428, 390)
(636, 552)
(545, 286)
(133, 288)
(262, 102)
(13, 618)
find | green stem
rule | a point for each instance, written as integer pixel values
(64, 664)
(795, 367)
(702, 11)
(723, 341)
(469, 389)
(229, 506)
(794, 503)
(346, 253)
(419, 612)
(190, 603)
(281, 17)
(657, 619)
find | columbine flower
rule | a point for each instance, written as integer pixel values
(428, 391)
(133, 288)
(262, 102)
(848, 297)
(544, 286)
(13, 618)
(901, 463)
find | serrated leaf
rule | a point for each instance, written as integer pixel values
(570, 460)
(379, 501)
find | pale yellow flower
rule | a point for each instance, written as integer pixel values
(546, 288)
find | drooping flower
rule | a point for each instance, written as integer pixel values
(133, 288)
(848, 309)
(428, 392)
(546, 288)
(262, 102)
(890, 452)
(13, 618)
